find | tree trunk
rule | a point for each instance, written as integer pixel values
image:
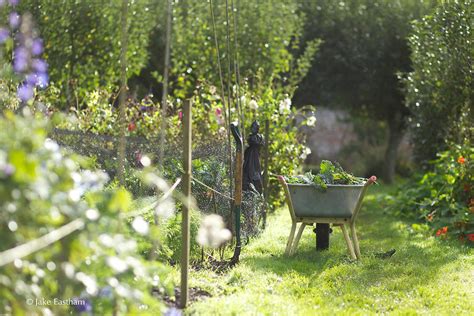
(395, 136)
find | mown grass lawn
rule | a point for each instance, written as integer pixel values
(424, 276)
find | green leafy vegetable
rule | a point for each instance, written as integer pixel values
(329, 173)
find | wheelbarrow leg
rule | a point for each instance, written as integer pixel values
(297, 240)
(356, 241)
(348, 241)
(290, 239)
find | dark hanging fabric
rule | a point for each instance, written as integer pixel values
(252, 173)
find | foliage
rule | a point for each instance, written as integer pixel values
(329, 173)
(82, 42)
(440, 88)
(444, 196)
(285, 146)
(266, 34)
(42, 188)
(364, 47)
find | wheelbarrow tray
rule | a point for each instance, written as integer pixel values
(337, 201)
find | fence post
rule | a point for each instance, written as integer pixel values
(265, 170)
(187, 133)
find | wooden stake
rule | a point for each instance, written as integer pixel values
(187, 133)
(238, 190)
(123, 94)
(265, 170)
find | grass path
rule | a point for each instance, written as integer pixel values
(425, 276)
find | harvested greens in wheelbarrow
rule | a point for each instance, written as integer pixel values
(329, 173)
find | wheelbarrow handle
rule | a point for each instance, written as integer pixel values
(371, 180)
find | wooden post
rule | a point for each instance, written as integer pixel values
(238, 190)
(187, 133)
(265, 170)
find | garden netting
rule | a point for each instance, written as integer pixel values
(212, 184)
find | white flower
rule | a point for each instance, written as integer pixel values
(305, 153)
(92, 214)
(311, 121)
(212, 89)
(159, 183)
(222, 130)
(285, 105)
(140, 225)
(145, 161)
(106, 240)
(165, 209)
(117, 264)
(89, 282)
(253, 104)
(51, 145)
(212, 232)
(243, 100)
(68, 269)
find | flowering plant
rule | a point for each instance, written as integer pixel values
(44, 188)
(443, 197)
(28, 70)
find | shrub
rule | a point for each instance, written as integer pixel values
(443, 197)
(42, 188)
(440, 88)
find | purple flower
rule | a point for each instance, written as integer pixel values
(25, 92)
(14, 19)
(43, 80)
(173, 312)
(4, 34)
(106, 292)
(8, 169)
(83, 304)
(32, 79)
(20, 63)
(40, 65)
(37, 47)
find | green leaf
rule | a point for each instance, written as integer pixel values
(121, 200)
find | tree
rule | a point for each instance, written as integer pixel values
(82, 41)
(364, 47)
(440, 87)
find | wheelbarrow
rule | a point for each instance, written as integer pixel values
(338, 205)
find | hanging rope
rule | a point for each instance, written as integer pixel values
(226, 111)
(123, 93)
(229, 80)
(219, 66)
(164, 99)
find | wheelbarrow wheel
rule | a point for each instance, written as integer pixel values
(322, 236)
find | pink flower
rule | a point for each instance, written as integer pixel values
(218, 111)
(180, 115)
